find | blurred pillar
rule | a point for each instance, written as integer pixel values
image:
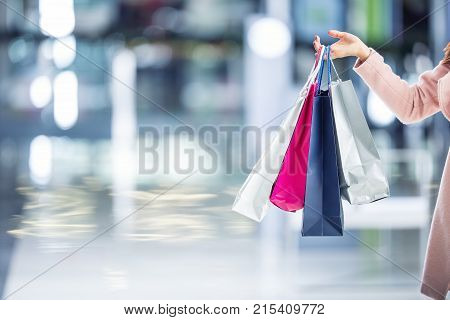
(267, 69)
(123, 134)
(268, 51)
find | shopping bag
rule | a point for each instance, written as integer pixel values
(288, 191)
(252, 199)
(362, 178)
(322, 215)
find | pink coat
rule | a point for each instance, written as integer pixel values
(412, 103)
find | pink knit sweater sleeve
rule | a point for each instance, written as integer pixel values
(411, 103)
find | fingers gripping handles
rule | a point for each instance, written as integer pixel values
(317, 70)
(329, 65)
(322, 62)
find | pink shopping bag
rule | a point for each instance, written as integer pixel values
(288, 190)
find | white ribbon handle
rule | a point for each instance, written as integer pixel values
(316, 68)
(312, 74)
(335, 71)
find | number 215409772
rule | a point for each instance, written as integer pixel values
(297, 308)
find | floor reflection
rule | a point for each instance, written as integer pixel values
(185, 244)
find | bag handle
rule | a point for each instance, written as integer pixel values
(316, 67)
(319, 78)
(335, 71)
(313, 73)
(329, 66)
(318, 55)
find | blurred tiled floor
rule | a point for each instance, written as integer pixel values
(186, 244)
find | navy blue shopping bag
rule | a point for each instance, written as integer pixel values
(322, 215)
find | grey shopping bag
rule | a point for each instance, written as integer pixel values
(361, 174)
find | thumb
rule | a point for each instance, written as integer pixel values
(336, 34)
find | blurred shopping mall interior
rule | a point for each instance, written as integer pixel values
(83, 82)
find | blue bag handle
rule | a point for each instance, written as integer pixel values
(329, 66)
(319, 78)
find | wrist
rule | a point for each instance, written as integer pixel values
(363, 52)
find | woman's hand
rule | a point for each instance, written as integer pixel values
(347, 45)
